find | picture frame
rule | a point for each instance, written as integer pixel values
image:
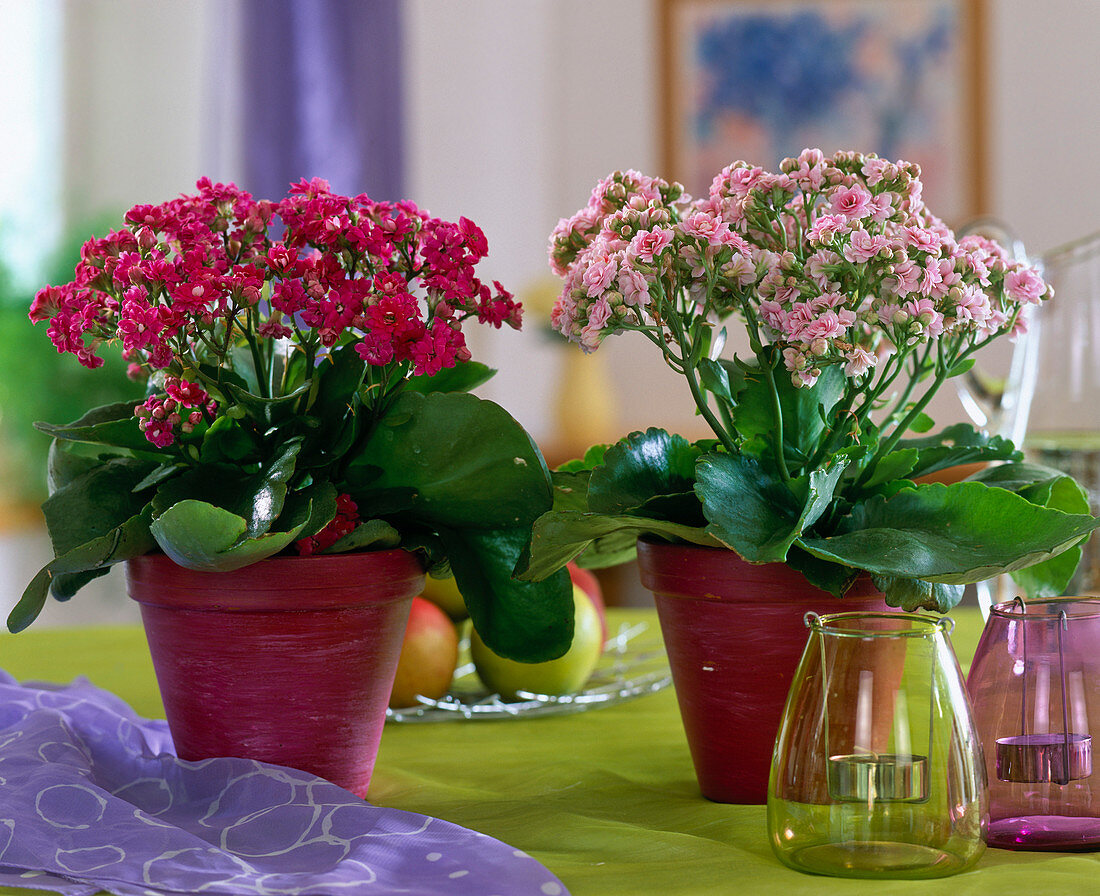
(760, 80)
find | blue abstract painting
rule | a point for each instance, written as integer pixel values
(760, 81)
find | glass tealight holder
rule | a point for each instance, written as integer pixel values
(1035, 687)
(878, 769)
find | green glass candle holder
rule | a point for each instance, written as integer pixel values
(878, 769)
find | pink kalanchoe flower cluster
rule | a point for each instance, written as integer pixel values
(187, 283)
(836, 261)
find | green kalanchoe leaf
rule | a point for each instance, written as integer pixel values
(257, 495)
(752, 512)
(558, 537)
(915, 594)
(110, 424)
(200, 536)
(465, 460)
(94, 503)
(952, 534)
(721, 378)
(268, 411)
(1048, 488)
(82, 562)
(372, 534)
(463, 377)
(593, 457)
(831, 577)
(530, 621)
(639, 467)
(339, 377)
(897, 464)
(1039, 484)
(66, 461)
(956, 445)
(227, 440)
(804, 411)
(571, 489)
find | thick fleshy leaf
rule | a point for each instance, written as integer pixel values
(956, 445)
(373, 534)
(915, 594)
(66, 461)
(1049, 488)
(895, 465)
(593, 457)
(752, 512)
(266, 501)
(571, 489)
(467, 462)
(94, 503)
(1050, 578)
(227, 440)
(197, 535)
(339, 377)
(804, 411)
(110, 424)
(557, 537)
(129, 539)
(268, 411)
(463, 377)
(313, 505)
(721, 378)
(521, 620)
(1040, 485)
(954, 534)
(827, 576)
(257, 496)
(637, 468)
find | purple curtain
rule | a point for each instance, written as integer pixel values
(323, 96)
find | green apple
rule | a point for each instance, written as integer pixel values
(428, 658)
(444, 594)
(565, 675)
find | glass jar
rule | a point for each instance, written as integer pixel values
(877, 770)
(1035, 686)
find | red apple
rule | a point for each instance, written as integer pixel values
(429, 655)
(590, 585)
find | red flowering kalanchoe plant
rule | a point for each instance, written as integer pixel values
(307, 391)
(857, 303)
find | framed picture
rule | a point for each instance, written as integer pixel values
(760, 80)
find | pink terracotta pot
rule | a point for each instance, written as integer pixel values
(734, 632)
(288, 661)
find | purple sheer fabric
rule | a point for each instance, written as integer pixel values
(92, 798)
(322, 96)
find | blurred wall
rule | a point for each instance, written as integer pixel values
(517, 109)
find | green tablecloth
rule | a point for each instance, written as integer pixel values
(606, 798)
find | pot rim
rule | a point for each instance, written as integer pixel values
(316, 582)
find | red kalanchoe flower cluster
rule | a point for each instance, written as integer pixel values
(346, 519)
(182, 410)
(217, 279)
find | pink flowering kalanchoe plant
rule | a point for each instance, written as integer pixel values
(307, 392)
(858, 304)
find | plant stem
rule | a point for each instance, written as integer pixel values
(687, 351)
(766, 364)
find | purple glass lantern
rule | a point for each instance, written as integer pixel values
(1035, 688)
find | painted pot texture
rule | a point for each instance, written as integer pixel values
(735, 632)
(289, 660)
